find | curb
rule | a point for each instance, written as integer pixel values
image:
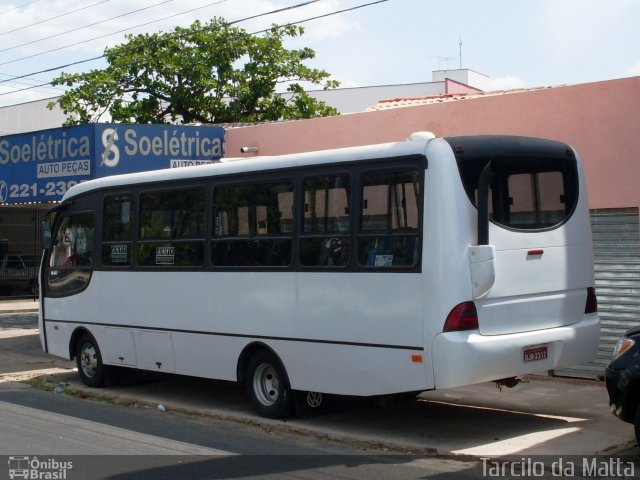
(18, 310)
(19, 306)
(286, 426)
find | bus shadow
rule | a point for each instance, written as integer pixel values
(425, 424)
(454, 428)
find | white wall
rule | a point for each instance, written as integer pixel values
(464, 75)
(358, 99)
(29, 117)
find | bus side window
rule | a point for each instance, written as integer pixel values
(117, 230)
(389, 221)
(253, 225)
(325, 238)
(172, 232)
(70, 263)
(74, 242)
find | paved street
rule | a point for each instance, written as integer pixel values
(210, 418)
(171, 445)
(12, 321)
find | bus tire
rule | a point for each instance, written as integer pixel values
(89, 361)
(267, 386)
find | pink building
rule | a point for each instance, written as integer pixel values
(600, 120)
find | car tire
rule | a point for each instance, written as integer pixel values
(267, 386)
(89, 361)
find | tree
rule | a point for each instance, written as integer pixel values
(207, 73)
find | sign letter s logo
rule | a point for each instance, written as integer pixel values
(111, 154)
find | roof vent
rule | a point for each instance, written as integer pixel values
(421, 136)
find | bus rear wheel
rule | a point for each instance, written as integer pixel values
(89, 361)
(267, 386)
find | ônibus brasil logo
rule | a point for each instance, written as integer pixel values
(35, 468)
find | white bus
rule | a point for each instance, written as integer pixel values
(402, 267)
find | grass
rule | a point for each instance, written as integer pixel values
(48, 383)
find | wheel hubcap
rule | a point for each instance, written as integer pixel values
(89, 360)
(266, 384)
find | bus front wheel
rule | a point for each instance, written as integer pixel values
(89, 361)
(267, 386)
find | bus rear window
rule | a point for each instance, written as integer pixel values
(535, 200)
(533, 183)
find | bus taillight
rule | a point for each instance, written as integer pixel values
(591, 305)
(462, 317)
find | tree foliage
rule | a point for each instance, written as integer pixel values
(207, 73)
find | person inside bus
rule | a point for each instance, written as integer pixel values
(62, 247)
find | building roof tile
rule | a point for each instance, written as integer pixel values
(388, 104)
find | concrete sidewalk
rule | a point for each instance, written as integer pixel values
(19, 306)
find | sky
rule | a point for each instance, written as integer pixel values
(517, 43)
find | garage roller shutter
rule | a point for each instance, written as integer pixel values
(616, 243)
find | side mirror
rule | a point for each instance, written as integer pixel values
(46, 235)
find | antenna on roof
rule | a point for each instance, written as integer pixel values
(444, 60)
(460, 46)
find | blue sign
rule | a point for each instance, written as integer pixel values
(42, 166)
(135, 148)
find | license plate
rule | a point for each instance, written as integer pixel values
(535, 353)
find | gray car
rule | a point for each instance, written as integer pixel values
(19, 272)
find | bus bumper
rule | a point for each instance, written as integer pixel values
(465, 358)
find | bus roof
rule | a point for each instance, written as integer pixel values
(254, 164)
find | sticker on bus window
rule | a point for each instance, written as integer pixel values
(165, 255)
(384, 261)
(81, 241)
(119, 253)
